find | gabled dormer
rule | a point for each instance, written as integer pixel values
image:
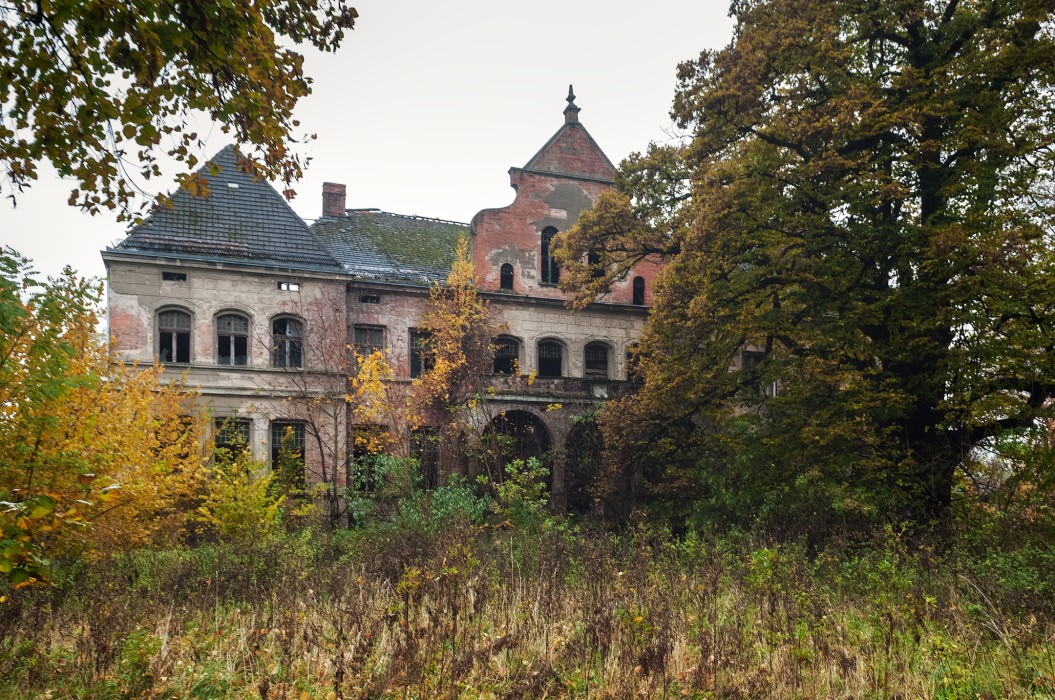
(565, 178)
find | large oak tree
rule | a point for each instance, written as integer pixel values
(866, 200)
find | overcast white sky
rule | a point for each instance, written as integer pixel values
(428, 105)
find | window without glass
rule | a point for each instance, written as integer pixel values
(287, 343)
(639, 291)
(550, 358)
(507, 276)
(507, 353)
(368, 340)
(596, 360)
(369, 298)
(421, 357)
(174, 337)
(550, 271)
(169, 276)
(232, 340)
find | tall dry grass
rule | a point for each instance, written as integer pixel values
(478, 612)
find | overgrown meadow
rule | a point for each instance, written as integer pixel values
(453, 595)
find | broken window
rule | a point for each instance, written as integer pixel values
(596, 360)
(287, 343)
(550, 359)
(550, 270)
(174, 337)
(169, 276)
(507, 356)
(507, 276)
(232, 340)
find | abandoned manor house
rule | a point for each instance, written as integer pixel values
(259, 308)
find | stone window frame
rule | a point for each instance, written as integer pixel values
(609, 363)
(519, 352)
(563, 356)
(158, 331)
(274, 347)
(248, 336)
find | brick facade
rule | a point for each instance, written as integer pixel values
(363, 274)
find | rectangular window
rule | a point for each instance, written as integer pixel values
(369, 298)
(287, 436)
(421, 353)
(285, 286)
(369, 339)
(169, 276)
(232, 434)
(174, 337)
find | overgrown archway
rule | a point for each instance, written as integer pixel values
(510, 436)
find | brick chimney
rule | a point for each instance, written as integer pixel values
(333, 197)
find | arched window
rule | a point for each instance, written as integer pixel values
(507, 356)
(595, 358)
(550, 359)
(287, 343)
(639, 291)
(174, 336)
(507, 276)
(550, 271)
(232, 340)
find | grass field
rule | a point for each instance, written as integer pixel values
(469, 611)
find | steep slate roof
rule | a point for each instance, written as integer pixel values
(379, 245)
(241, 219)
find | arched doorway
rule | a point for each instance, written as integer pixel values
(513, 435)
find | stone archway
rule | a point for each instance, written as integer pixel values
(512, 435)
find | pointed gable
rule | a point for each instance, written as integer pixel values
(241, 219)
(572, 151)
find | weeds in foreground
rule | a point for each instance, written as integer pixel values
(469, 611)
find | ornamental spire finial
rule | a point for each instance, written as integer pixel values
(571, 112)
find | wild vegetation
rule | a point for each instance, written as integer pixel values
(866, 508)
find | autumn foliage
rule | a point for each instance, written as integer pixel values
(95, 456)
